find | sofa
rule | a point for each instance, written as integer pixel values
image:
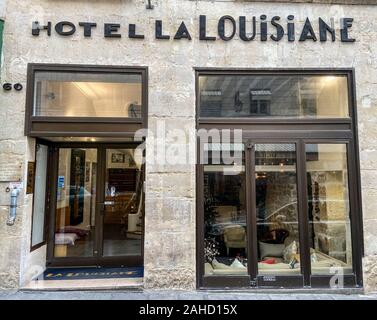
(323, 266)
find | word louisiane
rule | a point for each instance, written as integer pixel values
(227, 28)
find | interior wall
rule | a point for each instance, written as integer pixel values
(75, 99)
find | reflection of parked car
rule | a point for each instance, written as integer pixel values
(295, 204)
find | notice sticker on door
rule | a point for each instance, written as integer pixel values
(61, 182)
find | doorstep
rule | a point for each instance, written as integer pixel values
(336, 291)
(77, 285)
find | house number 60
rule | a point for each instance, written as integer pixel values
(8, 86)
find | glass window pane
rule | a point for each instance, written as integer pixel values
(76, 203)
(64, 94)
(277, 211)
(123, 215)
(274, 96)
(329, 211)
(225, 231)
(39, 195)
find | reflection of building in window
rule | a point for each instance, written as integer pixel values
(309, 106)
(260, 102)
(292, 96)
(211, 103)
(308, 97)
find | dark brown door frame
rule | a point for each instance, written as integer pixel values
(299, 130)
(97, 259)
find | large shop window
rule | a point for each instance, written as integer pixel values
(102, 100)
(225, 212)
(288, 213)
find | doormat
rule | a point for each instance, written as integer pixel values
(90, 273)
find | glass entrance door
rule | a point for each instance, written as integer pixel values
(98, 206)
(122, 210)
(75, 222)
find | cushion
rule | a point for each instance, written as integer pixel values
(289, 240)
(269, 261)
(208, 268)
(313, 258)
(219, 265)
(66, 238)
(290, 251)
(271, 250)
(277, 260)
(237, 264)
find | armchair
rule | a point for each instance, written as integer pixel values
(235, 237)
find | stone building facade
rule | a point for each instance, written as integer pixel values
(170, 244)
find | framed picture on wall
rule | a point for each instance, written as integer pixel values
(30, 177)
(117, 158)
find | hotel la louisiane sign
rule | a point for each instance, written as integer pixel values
(275, 28)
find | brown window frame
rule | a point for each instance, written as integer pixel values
(283, 130)
(42, 126)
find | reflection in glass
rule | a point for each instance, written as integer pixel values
(277, 213)
(39, 195)
(329, 211)
(63, 94)
(295, 96)
(225, 213)
(123, 215)
(75, 205)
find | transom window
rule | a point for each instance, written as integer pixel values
(89, 101)
(65, 94)
(288, 96)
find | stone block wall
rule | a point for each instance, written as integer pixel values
(170, 226)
